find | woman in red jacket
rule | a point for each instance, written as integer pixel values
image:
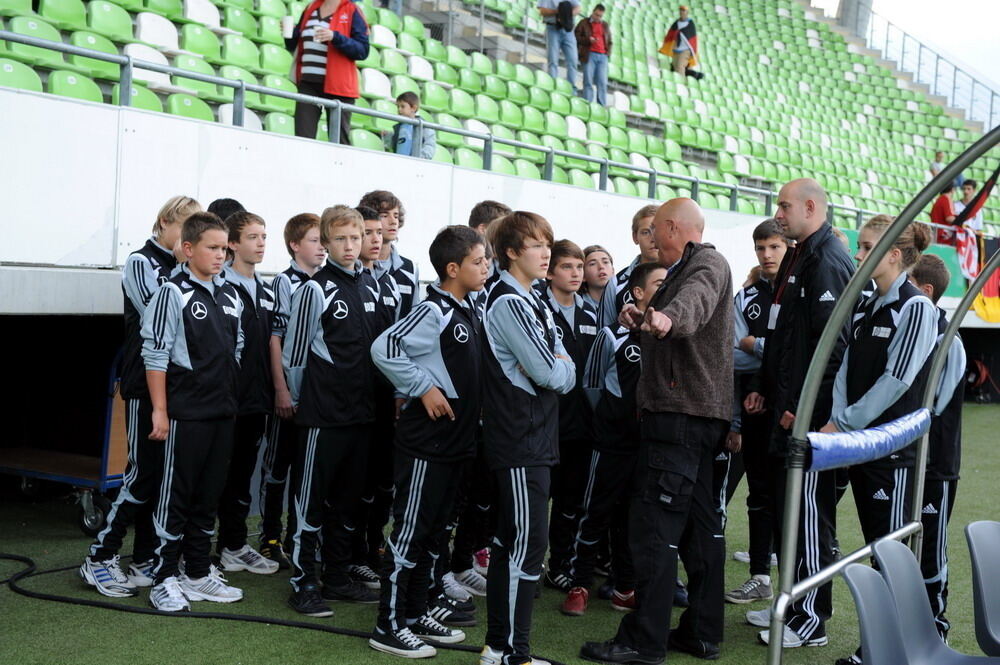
(330, 37)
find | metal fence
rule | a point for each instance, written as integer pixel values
(489, 140)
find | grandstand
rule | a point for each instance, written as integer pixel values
(785, 94)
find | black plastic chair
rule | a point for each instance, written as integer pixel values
(984, 548)
(920, 637)
(881, 637)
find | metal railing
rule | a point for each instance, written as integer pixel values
(798, 444)
(335, 108)
(963, 90)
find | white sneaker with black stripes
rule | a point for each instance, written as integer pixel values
(365, 575)
(248, 559)
(400, 642)
(473, 582)
(167, 596)
(429, 628)
(454, 589)
(212, 587)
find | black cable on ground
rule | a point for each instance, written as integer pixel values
(31, 570)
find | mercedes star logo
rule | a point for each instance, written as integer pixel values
(198, 310)
(628, 298)
(753, 311)
(340, 309)
(461, 333)
(632, 353)
(559, 333)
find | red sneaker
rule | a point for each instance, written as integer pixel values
(623, 602)
(575, 604)
(481, 561)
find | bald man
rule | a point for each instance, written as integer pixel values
(684, 397)
(811, 279)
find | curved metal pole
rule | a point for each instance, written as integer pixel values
(821, 356)
(937, 366)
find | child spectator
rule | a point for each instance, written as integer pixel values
(576, 327)
(330, 378)
(303, 245)
(404, 138)
(145, 270)
(610, 378)
(525, 368)
(247, 241)
(192, 342)
(432, 355)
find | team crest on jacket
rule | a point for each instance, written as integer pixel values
(633, 353)
(461, 333)
(198, 310)
(340, 309)
(753, 311)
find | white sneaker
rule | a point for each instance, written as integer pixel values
(473, 582)
(167, 596)
(212, 587)
(744, 557)
(454, 589)
(107, 577)
(141, 573)
(792, 640)
(759, 618)
(248, 559)
(490, 656)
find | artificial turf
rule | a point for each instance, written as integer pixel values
(45, 632)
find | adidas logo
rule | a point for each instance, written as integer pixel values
(826, 297)
(880, 495)
(929, 509)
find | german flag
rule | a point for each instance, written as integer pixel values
(673, 38)
(987, 303)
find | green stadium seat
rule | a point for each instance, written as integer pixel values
(413, 27)
(205, 90)
(457, 58)
(442, 154)
(275, 59)
(282, 104)
(108, 19)
(467, 158)
(232, 72)
(393, 62)
(435, 98)
(540, 99)
(599, 114)
(511, 115)
(579, 178)
(142, 98)
(389, 19)
(269, 30)
(544, 81)
(526, 169)
(560, 104)
(502, 165)
(401, 84)
(273, 8)
(524, 76)
(16, 8)
(559, 175)
(480, 64)
(506, 70)
(447, 138)
(495, 87)
(100, 69)
(616, 118)
(517, 93)
(461, 103)
(171, 9)
(487, 109)
(188, 106)
(435, 51)
(470, 81)
(361, 138)
(64, 14)
(15, 74)
(555, 124)
(580, 107)
(534, 121)
(385, 106)
(445, 73)
(240, 51)
(241, 21)
(199, 39)
(624, 186)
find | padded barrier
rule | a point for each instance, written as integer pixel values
(840, 449)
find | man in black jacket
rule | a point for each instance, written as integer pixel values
(811, 279)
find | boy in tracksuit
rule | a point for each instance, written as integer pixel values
(145, 270)
(373, 508)
(402, 269)
(931, 276)
(303, 244)
(616, 294)
(525, 368)
(247, 240)
(610, 378)
(192, 341)
(432, 355)
(330, 379)
(576, 327)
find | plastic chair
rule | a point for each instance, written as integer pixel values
(189, 107)
(984, 548)
(156, 30)
(101, 69)
(65, 14)
(199, 39)
(110, 20)
(18, 75)
(205, 90)
(36, 55)
(881, 638)
(142, 98)
(920, 637)
(361, 138)
(171, 9)
(76, 86)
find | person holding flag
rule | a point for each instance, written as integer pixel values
(681, 43)
(966, 241)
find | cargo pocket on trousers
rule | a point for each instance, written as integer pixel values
(671, 478)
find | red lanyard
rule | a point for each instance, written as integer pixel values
(788, 274)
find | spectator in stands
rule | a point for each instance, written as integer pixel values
(558, 16)
(331, 36)
(942, 215)
(937, 164)
(681, 43)
(593, 43)
(403, 138)
(969, 188)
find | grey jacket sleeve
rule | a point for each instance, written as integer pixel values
(159, 327)
(952, 374)
(513, 322)
(601, 355)
(303, 322)
(428, 145)
(414, 335)
(282, 288)
(909, 349)
(743, 362)
(139, 281)
(606, 313)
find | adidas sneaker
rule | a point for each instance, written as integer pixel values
(453, 589)
(167, 596)
(211, 587)
(248, 559)
(473, 582)
(141, 574)
(107, 577)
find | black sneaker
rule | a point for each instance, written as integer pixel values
(555, 579)
(365, 575)
(681, 595)
(352, 592)
(445, 611)
(308, 601)
(272, 549)
(400, 643)
(460, 605)
(607, 590)
(430, 629)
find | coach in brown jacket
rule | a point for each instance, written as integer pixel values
(685, 399)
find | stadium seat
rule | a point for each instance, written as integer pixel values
(35, 55)
(361, 138)
(171, 9)
(108, 19)
(442, 154)
(467, 158)
(280, 104)
(241, 21)
(461, 103)
(413, 27)
(64, 14)
(448, 139)
(420, 68)
(250, 119)
(579, 178)
(232, 72)
(402, 83)
(375, 84)
(275, 59)
(101, 69)
(142, 98)
(204, 89)
(16, 8)
(71, 84)
(15, 74)
(241, 52)
(199, 39)
(189, 107)
(157, 31)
